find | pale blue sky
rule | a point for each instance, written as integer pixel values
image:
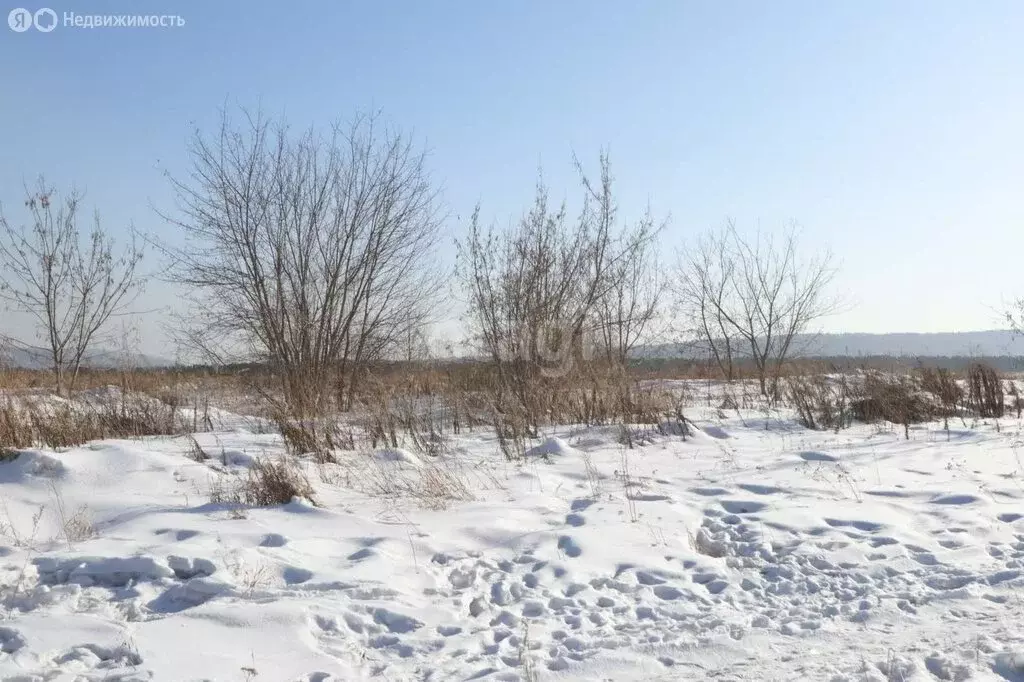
(890, 131)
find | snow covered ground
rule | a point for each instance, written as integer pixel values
(749, 551)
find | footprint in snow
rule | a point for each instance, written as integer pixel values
(395, 622)
(179, 534)
(887, 493)
(575, 520)
(361, 554)
(96, 656)
(449, 630)
(810, 456)
(866, 526)
(883, 540)
(186, 568)
(956, 500)
(716, 432)
(649, 497)
(647, 578)
(293, 575)
(1003, 576)
(760, 489)
(568, 545)
(709, 492)
(10, 640)
(667, 592)
(273, 540)
(742, 507)
(926, 559)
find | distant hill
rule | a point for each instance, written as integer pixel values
(38, 358)
(980, 344)
(993, 343)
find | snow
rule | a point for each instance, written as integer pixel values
(751, 550)
(398, 455)
(550, 447)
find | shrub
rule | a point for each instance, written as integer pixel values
(135, 416)
(15, 428)
(821, 402)
(942, 385)
(1016, 402)
(311, 436)
(892, 398)
(269, 482)
(985, 391)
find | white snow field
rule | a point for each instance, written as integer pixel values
(753, 550)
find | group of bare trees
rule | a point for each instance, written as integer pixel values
(316, 255)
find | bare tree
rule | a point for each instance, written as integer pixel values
(314, 253)
(752, 299)
(625, 310)
(530, 288)
(703, 281)
(71, 287)
(1015, 316)
(538, 289)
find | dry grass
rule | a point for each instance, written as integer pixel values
(16, 431)
(19, 537)
(275, 482)
(268, 482)
(195, 451)
(432, 483)
(590, 395)
(423, 406)
(821, 401)
(317, 437)
(45, 421)
(433, 486)
(76, 526)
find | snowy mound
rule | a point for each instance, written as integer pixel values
(550, 447)
(18, 465)
(398, 455)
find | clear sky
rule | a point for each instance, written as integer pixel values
(891, 132)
